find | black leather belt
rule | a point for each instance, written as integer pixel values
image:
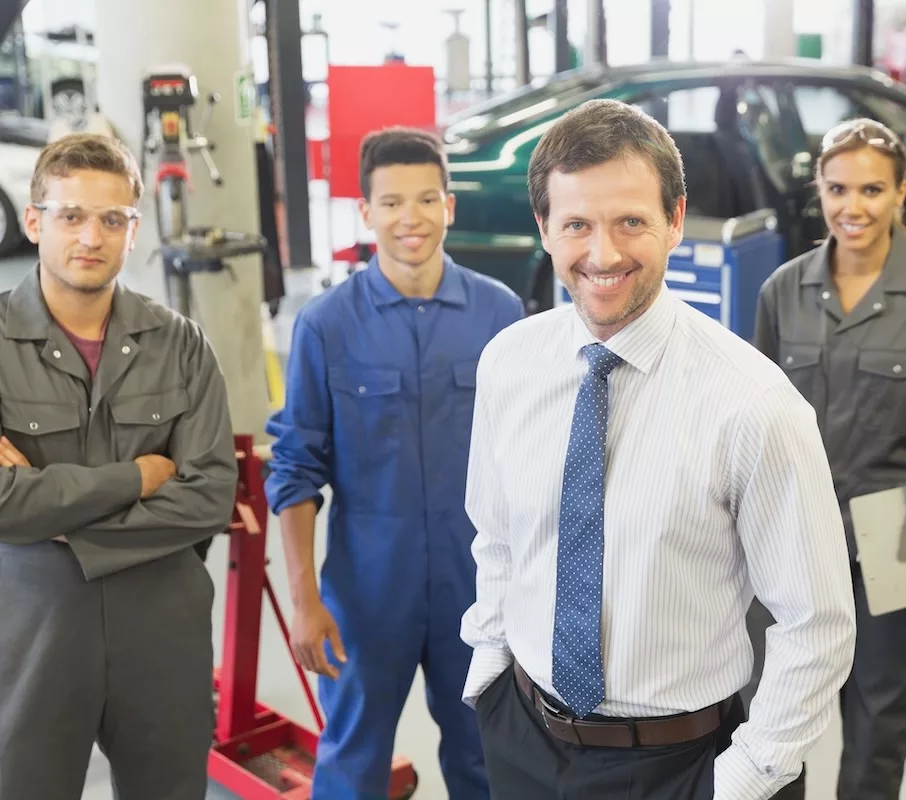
(659, 731)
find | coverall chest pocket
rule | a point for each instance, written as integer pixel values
(45, 433)
(801, 363)
(368, 412)
(144, 423)
(463, 400)
(880, 391)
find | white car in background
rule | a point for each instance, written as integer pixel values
(21, 140)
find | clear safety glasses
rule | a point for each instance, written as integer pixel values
(114, 220)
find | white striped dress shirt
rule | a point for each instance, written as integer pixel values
(716, 486)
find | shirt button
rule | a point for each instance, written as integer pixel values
(155, 417)
(362, 390)
(33, 426)
(126, 349)
(826, 295)
(57, 354)
(878, 306)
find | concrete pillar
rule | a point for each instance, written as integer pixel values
(211, 37)
(523, 68)
(779, 31)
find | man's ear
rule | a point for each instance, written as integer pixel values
(365, 211)
(32, 224)
(542, 229)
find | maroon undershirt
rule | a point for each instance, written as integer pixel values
(89, 350)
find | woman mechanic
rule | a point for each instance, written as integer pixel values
(835, 320)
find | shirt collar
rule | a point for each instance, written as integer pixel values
(452, 288)
(642, 341)
(28, 318)
(818, 271)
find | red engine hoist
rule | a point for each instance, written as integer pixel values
(258, 753)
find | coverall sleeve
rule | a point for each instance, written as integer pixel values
(194, 505)
(37, 505)
(791, 531)
(483, 623)
(767, 337)
(301, 451)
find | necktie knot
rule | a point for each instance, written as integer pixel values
(601, 361)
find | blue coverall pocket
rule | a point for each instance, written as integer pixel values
(368, 412)
(464, 375)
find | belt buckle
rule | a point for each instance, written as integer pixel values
(549, 711)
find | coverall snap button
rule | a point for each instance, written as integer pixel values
(362, 390)
(33, 425)
(898, 368)
(878, 306)
(826, 295)
(789, 359)
(155, 417)
(126, 350)
(422, 309)
(57, 354)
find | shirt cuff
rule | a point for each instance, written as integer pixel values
(487, 665)
(736, 777)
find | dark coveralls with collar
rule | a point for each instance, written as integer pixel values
(852, 369)
(107, 638)
(380, 393)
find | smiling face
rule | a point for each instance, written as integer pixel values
(860, 198)
(409, 212)
(609, 239)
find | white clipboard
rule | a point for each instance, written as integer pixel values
(879, 523)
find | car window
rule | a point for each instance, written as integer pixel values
(689, 110)
(822, 107)
(761, 121)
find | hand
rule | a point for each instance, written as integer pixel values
(9, 456)
(313, 625)
(156, 471)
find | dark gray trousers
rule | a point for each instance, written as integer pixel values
(872, 703)
(125, 661)
(525, 762)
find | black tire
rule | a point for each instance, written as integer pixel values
(10, 234)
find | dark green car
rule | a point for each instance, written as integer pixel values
(749, 135)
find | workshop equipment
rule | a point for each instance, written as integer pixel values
(258, 753)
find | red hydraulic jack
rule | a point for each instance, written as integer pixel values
(258, 754)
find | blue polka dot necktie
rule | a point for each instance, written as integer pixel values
(578, 669)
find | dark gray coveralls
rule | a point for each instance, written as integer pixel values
(852, 369)
(108, 637)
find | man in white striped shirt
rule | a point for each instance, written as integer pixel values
(609, 629)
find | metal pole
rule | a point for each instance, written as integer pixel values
(523, 71)
(597, 29)
(863, 32)
(561, 40)
(287, 92)
(660, 28)
(489, 49)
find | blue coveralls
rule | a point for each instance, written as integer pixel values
(380, 390)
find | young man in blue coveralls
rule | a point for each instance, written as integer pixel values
(380, 390)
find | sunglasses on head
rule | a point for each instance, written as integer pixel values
(870, 134)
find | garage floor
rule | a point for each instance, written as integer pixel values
(278, 686)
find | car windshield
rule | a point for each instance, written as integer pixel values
(520, 106)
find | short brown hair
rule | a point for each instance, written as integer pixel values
(77, 151)
(599, 131)
(399, 145)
